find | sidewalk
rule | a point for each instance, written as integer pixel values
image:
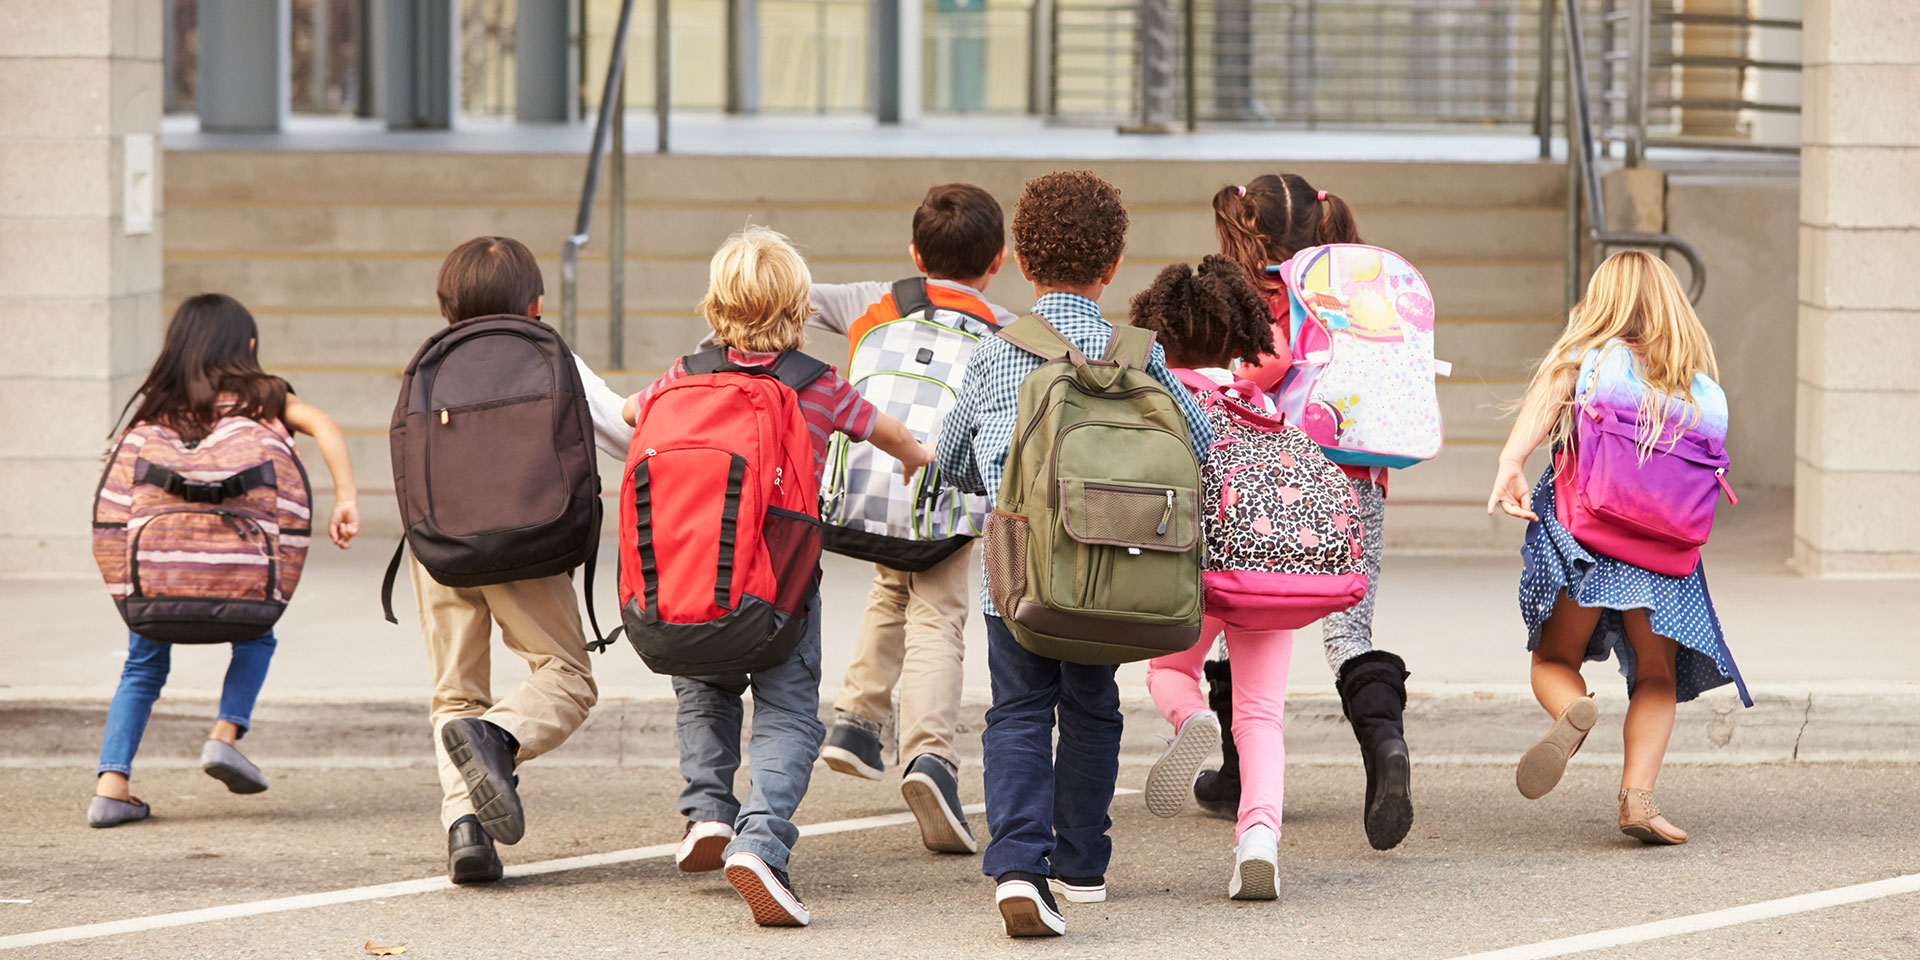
(1831, 663)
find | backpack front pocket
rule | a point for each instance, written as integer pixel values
(479, 477)
(1132, 542)
(201, 554)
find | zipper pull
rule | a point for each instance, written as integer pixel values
(1721, 476)
(443, 417)
(1165, 516)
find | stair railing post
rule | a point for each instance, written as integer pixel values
(617, 237)
(1543, 82)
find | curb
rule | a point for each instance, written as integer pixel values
(1450, 726)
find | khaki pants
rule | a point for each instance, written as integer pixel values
(913, 635)
(540, 621)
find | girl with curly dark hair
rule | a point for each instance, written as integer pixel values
(1263, 224)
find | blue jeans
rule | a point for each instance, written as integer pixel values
(1047, 812)
(146, 672)
(786, 740)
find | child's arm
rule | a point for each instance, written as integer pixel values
(610, 433)
(896, 441)
(1199, 428)
(1537, 415)
(837, 305)
(314, 422)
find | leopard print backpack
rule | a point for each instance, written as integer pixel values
(1283, 538)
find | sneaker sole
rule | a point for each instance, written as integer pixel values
(940, 829)
(707, 855)
(1255, 880)
(842, 760)
(1027, 917)
(1544, 763)
(474, 865)
(497, 810)
(236, 779)
(1073, 894)
(767, 909)
(1170, 782)
(1391, 815)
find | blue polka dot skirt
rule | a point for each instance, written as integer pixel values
(1678, 607)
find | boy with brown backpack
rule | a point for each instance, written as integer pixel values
(495, 538)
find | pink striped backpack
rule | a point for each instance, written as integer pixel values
(202, 543)
(1283, 539)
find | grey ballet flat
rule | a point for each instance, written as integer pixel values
(225, 764)
(108, 812)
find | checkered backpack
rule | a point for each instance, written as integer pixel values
(909, 354)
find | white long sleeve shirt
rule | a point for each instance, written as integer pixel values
(610, 430)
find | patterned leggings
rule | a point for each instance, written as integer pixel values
(1349, 633)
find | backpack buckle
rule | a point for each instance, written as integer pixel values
(209, 491)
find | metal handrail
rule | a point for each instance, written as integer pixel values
(1580, 129)
(611, 103)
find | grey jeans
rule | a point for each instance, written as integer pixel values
(785, 741)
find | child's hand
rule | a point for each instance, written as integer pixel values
(344, 523)
(921, 456)
(1510, 492)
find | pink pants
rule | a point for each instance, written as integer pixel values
(1260, 659)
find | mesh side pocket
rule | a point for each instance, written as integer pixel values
(1006, 548)
(793, 549)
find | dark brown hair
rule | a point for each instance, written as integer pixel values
(210, 351)
(1205, 317)
(1069, 228)
(958, 230)
(488, 276)
(1274, 217)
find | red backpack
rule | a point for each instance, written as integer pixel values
(720, 518)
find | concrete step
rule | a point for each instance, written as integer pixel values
(274, 177)
(869, 231)
(1468, 289)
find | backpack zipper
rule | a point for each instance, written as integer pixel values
(1165, 516)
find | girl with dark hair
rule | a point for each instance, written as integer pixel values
(208, 370)
(1261, 225)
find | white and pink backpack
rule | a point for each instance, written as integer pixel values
(1283, 537)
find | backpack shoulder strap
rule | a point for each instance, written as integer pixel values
(711, 360)
(1033, 334)
(797, 370)
(910, 297)
(1130, 345)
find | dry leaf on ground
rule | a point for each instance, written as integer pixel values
(381, 950)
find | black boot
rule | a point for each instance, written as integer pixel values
(1219, 790)
(1373, 695)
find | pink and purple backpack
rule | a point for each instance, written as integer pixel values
(1283, 538)
(1656, 512)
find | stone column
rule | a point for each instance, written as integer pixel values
(1857, 476)
(79, 269)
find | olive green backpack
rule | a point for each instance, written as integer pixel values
(1093, 548)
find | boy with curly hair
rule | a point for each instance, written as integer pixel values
(1047, 810)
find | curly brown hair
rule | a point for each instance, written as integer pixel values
(1208, 317)
(1069, 228)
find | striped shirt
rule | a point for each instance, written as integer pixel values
(974, 441)
(829, 403)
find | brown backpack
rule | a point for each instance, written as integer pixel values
(493, 457)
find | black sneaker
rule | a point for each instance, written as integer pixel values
(1080, 889)
(470, 854)
(852, 749)
(1026, 907)
(484, 755)
(933, 794)
(768, 892)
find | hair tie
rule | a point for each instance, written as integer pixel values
(1322, 197)
(1243, 190)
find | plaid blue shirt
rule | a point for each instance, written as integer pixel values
(974, 440)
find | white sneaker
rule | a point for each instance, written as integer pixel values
(704, 846)
(1170, 782)
(1256, 865)
(768, 892)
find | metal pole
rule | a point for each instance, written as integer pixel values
(1575, 183)
(1543, 93)
(1189, 23)
(1638, 38)
(617, 238)
(662, 74)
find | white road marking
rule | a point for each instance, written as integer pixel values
(402, 888)
(1712, 920)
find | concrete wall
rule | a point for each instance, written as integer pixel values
(79, 295)
(1745, 228)
(1858, 441)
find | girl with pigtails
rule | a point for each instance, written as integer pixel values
(1261, 225)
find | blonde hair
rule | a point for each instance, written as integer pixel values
(758, 290)
(1634, 298)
